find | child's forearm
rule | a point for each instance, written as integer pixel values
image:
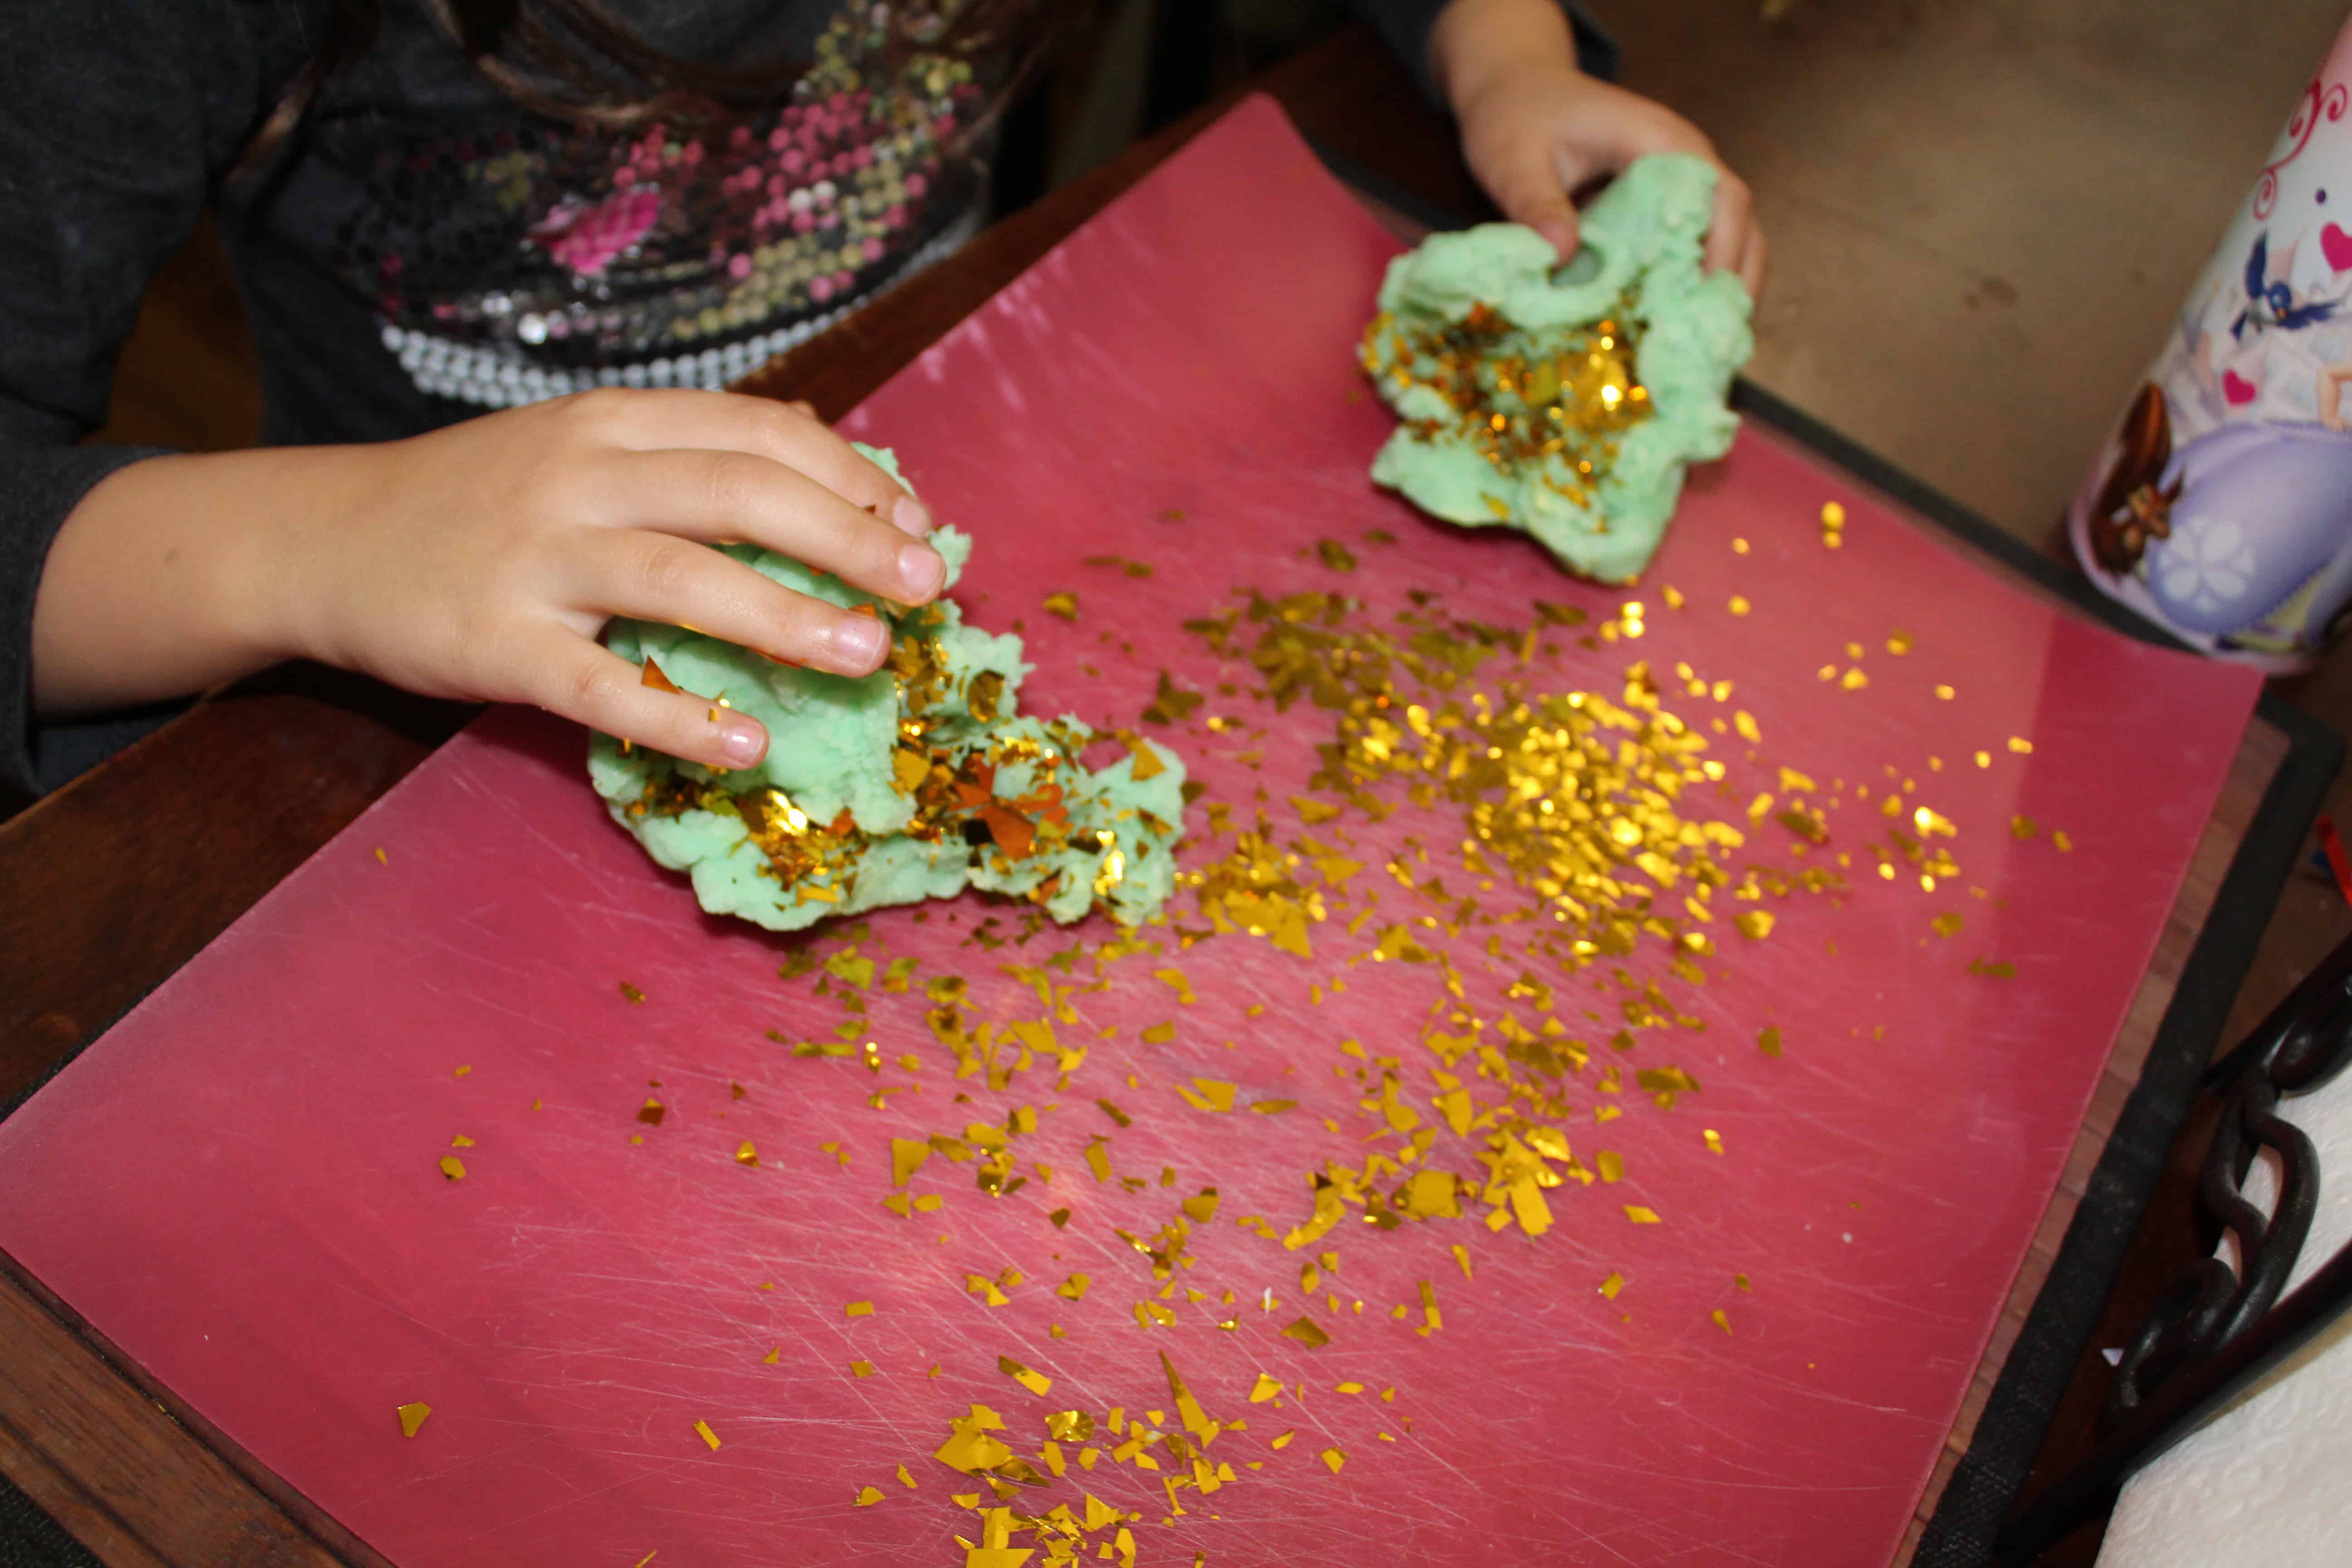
(1475, 41)
(154, 586)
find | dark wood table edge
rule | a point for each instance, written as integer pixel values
(273, 1523)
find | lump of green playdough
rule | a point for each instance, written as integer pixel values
(909, 784)
(1565, 401)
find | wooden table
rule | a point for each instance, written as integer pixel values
(123, 877)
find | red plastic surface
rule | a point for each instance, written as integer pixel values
(238, 1185)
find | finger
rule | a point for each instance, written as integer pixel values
(659, 578)
(583, 681)
(803, 407)
(1751, 264)
(651, 419)
(1526, 184)
(1728, 230)
(721, 495)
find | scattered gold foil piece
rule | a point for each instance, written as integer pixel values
(1610, 1286)
(2020, 745)
(1308, 1332)
(1268, 1386)
(858, 1309)
(453, 1167)
(1739, 605)
(2063, 840)
(412, 1417)
(1335, 1457)
(1722, 1320)
(461, 1142)
(857, 1369)
(1641, 1215)
(747, 1155)
(2021, 827)
(702, 1428)
(1036, 1382)
(1984, 759)
(652, 676)
(1714, 1140)
(1900, 642)
(1945, 925)
(1612, 1165)
(631, 992)
(651, 1113)
(868, 1496)
(2003, 970)
(1064, 605)
(1335, 555)
(1754, 925)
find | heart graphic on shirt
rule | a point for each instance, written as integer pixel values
(2337, 246)
(2237, 389)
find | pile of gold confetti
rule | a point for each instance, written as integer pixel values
(1514, 408)
(1600, 846)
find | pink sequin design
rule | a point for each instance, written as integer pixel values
(586, 237)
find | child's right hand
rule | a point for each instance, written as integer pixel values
(483, 560)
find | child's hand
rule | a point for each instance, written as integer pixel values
(494, 551)
(1535, 129)
(482, 561)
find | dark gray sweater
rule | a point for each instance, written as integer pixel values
(426, 249)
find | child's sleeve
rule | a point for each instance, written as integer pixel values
(117, 119)
(1405, 26)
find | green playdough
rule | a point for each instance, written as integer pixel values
(909, 784)
(1565, 401)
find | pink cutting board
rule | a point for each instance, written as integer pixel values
(238, 1185)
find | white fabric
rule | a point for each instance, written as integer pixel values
(2268, 1481)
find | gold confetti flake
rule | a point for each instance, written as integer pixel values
(1268, 1388)
(2020, 745)
(1900, 642)
(1209, 1094)
(774, 1357)
(1610, 1286)
(1036, 1382)
(1945, 925)
(1740, 1280)
(1768, 1041)
(868, 1496)
(1281, 1442)
(747, 1155)
(1832, 515)
(1335, 1457)
(1065, 604)
(453, 1167)
(1745, 722)
(1739, 605)
(1853, 680)
(412, 1417)
(1754, 925)
(652, 1112)
(1714, 1140)
(462, 1071)
(1335, 555)
(1740, 547)
(2003, 970)
(1159, 1034)
(631, 992)
(702, 1430)
(1640, 1214)
(2021, 827)
(1307, 1332)
(1722, 1320)
(1612, 1165)
(857, 1369)
(858, 1309)
(1073, 1288)
(379, 857)
(1984, 759)
(2063, 840)
(461, 1142)
(1944, 694)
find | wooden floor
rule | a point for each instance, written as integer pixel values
(1983, 213)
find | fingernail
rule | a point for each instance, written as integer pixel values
(910, 516)
(860, 640)
(743, 740)
(920, 571)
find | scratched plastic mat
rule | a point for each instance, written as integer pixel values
(1381, 1205)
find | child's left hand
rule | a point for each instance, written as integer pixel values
(1535, 128)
